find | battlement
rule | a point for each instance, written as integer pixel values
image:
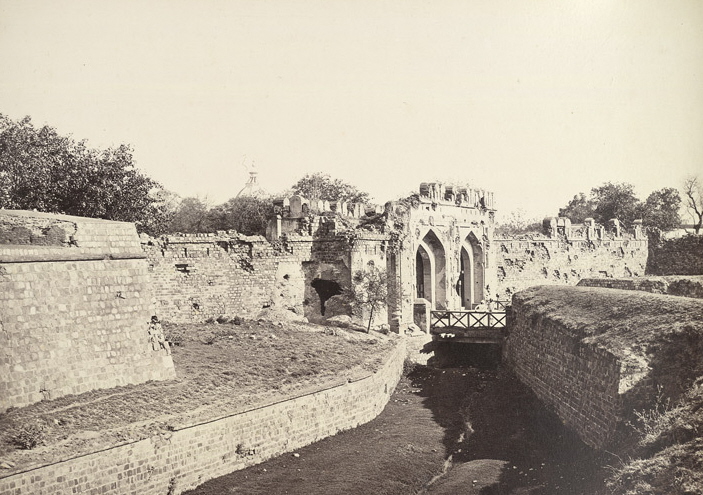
(554, 227)
(298, 207)
(457, 195)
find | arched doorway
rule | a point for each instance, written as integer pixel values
(430, 271)
(423, 274)
(466, 278)
(473, 272)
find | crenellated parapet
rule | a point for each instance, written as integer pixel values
(298, 207)
(554, 227)
(457, 195)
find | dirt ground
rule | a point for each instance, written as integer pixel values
(458, 430)
(221, 369)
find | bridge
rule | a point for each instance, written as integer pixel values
(478, 326)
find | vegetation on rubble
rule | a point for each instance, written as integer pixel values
(319, 185)
(659, 211)
(221, 369)
(44, 171)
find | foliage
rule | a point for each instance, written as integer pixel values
(29, 435)
(518, 224)
(615, 201)
(39, 169)
(369, 290)
(693, 191)
(578, 209)
(246, 214)
(322, 186)
(661, 209)
(190, 217)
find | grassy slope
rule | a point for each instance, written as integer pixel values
(221, 369)
(667, 332)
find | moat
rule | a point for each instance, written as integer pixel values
(468, 429)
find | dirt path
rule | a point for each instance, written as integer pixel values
(481, 426)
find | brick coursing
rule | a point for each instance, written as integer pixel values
(578, 381)
(75, 317)
(176, 461)
(683, 256)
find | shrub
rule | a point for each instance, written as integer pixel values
(29, 436)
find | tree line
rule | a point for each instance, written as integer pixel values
(42, 170)
(659, 212)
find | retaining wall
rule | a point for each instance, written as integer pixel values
(682, 256)
(596, 355)
(75, 308)
(182, 459)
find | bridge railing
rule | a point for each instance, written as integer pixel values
(467, 319)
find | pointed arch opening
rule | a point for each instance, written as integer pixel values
(473, 271)
(430, 269)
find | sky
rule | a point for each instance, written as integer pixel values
(535, 100)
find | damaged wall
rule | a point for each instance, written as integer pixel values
(200, 276)
(540, 260)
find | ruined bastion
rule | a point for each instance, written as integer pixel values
(75, 308)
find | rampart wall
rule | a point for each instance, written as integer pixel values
(75, 308)
(596, 355)
(541, 260)
(682, 256)
(189, 456)
(691, 286)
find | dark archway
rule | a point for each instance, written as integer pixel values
(472, 256)
(325, 289)
(423, 274)
(435, 250)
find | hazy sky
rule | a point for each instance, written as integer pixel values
(535, 100)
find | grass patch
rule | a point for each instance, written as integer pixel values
(221, 369)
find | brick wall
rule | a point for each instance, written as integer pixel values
(577, 381)
(691, 286)
(682, 256)
(523, 263)
(201, 276)
(182, 459)
(74, 308)
(596, 355)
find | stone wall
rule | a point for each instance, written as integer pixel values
(182, 459)
(691, 286)
(527, 262)
(596, 355)
(682, 256)
(75, 308)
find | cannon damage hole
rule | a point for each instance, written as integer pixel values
(325, 289)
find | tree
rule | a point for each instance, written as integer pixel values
(579, 209)
(191, 216)
(246, 214)
(615, 201)
(321, 186)
(518, 224)
(661, 209)
(693, 191)
(39, 169)
(369, 290)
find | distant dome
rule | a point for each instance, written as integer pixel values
(252, 188)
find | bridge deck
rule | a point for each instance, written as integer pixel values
(471, 327)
